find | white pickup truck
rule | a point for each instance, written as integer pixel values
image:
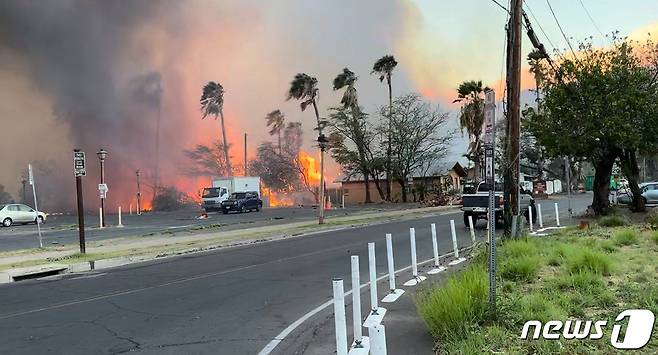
(476, 204)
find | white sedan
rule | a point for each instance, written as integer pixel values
(19, 213)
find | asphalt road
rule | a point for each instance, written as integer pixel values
(62, 230)
(231, 301)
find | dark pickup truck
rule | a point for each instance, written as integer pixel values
(476, 205)
(242, 202)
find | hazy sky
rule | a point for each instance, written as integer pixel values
(67, 67)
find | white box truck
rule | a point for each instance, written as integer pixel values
(222, 188)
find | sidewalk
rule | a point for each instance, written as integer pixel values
(130, 249)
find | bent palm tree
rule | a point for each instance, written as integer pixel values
(275, 120)
(304, 88)
(350, 100)
(384, 68)
(471, 118)
(212, 103)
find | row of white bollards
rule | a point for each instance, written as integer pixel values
(540, 218)
(375, 342)
(100, 217)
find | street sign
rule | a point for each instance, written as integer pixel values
(489, 116)
(30, 174)
(79, 164)
(102, 188)
(489, 154)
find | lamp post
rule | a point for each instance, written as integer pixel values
(102, 154)
(322, 143)
(139, 196)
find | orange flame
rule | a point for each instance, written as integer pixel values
(311, 168)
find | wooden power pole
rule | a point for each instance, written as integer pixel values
(513, 114)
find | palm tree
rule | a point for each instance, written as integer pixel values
(304, 88)
(384, 68)
(471, 118)
(350, 100)
(276, 119)
(212, 103)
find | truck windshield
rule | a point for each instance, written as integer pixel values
(238, 195)
(210, 192)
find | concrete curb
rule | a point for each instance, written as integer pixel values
(9, 275)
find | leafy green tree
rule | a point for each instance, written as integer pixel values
(600, 106)
(212, 103)
(471, 119)
(384, 68)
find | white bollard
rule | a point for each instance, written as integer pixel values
(372, 266)
(414, 261)
(119, 225)
(100, 218)
(376, 313)
(455, 247)
(539, 216)
(530, 218)
(395, 293)
(557, 215)
(471, 228)
(435, 248)
(356, 301)
(377, 336)
(343, 201)
(339, 317)
(131, 209)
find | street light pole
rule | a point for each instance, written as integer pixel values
(102, 154)
(322, 143)
(139, 196)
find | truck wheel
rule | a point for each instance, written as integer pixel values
(466, 219)
(243, 209)
(257, 208)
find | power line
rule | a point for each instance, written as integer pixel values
(591, 19)
(560, 27)
(539, 24)
(501, 6)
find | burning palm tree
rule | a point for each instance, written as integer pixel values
(384, 68)
(212, 103)
(305, 89)
(275, 120)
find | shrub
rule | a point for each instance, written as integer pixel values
(519, 247)
(584, 281)
(168, 198)
(523, 268)
(608, 246)
(585, 260)
(540, 307)
(625, 237)
(652, 218)
(612, 221)
(452, 309)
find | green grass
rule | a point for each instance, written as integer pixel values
(612, 221)
(524, 268)
(585, 275)
(585, 260)
(452, 309)
(625, 237)
(652, 218)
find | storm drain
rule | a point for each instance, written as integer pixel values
(39, 274)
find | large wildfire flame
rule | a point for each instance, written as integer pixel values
(311, 168)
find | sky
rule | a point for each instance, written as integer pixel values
(69, 69)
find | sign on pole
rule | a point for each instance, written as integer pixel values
(102, 189)
(489, 154)
(79, 164)
(36, 209)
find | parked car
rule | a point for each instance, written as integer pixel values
(476, 205)
(19, 213)
(242, 202)
(649, 193)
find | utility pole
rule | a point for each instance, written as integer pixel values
(245, 154)
(139, 196)
(24, 197)
(512, 171)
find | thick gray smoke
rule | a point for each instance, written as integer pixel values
(78, 52)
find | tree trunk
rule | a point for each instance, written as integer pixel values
(366, 180)
(229, 169)
(378, 185)
(389, 149)
(404, 190)
(602, 173)
(632, 172)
